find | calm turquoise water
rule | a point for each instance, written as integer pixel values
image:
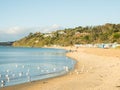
(20, 65)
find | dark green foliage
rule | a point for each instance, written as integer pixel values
(116, 35)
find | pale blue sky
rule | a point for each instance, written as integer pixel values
(45, 13)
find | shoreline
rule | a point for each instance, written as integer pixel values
(42, 81)
(95, 69)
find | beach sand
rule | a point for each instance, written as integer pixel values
(96, 69)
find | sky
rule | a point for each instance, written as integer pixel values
(20, 17)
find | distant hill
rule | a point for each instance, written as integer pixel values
(6, 43)
(108, 33)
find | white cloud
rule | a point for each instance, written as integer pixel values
(15, 33)
(51, 28)
(56, 26)
(13, 30)
(12, 33)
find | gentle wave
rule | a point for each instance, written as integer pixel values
(21, 65)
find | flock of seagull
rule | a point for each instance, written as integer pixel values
(4, 79)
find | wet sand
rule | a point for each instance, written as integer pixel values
(96, 69)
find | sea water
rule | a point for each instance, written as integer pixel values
(21, 65)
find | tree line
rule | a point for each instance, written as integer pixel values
(108, 33)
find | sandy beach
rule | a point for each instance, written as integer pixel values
(96, 69)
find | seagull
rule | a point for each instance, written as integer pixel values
(16, 65)
(29, 78)
(42, 70)
(38, 67)
(54, 69)
(23, 66)
(2, 83)
(27, 73)
(47, 71)
(66, 69)
(6, 75)
(76, 71)
(8, 79)
(20, 74)
(7, 70)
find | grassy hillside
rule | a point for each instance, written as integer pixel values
(107, 33)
